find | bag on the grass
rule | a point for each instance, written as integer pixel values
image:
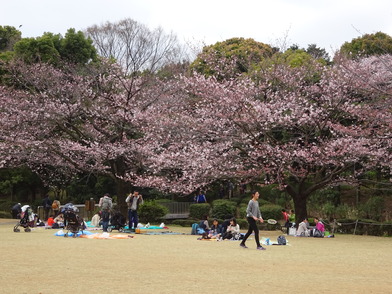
(194, 229)
(282, 240)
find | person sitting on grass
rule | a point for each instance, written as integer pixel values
(204, 226)
(319, 230)
(233, 230)
(303, 229)
(95, 220)
(58, 221)
(51, 220)
(215, 230)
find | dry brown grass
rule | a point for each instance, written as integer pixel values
(39, 262)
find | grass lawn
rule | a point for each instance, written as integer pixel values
(39, 262)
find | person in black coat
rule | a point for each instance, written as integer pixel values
(47, 204)
(16, 210)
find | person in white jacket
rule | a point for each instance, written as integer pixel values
(133, 201)
(303, 229)
(232, 231)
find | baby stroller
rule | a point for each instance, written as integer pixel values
(117, 222)
(27, 220)
(72, 222)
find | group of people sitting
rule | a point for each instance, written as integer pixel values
(229, 230)
(56, 221)
(305, 230)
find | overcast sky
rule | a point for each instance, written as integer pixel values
(327, 23)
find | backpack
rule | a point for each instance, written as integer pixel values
(282, 240)
(195, 226)
(107, 203)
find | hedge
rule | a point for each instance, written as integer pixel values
(151, 211)
(272, 211)
(199, 210)
(223, 208)
(364, 227)
(5, 214)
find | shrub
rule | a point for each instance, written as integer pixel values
(242, 223)
(271, 211)
(373, 208)
(328, 210)
(245, 200)
(223, 208)
(199, 211)
(386, 229)
(236, 200)
(6, 205)
(345, 226)
(241, 210)
(5, 214)
(184, 222)
(364, 227)
(151, 211)
(159, 201)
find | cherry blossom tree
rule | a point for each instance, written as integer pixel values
(72, 120)
(302, 129)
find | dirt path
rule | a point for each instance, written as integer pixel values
(39, 262)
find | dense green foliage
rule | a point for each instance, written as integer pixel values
(271, 211)
(246, 53)
(364, 227)
(199, 211)
(21, 184)
(368, 45)
(51, 48)
(8, 37)
(222, 209)
(152, 212)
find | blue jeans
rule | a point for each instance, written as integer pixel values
(133, 218)
(105, 225)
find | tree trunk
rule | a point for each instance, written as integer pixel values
(300, 205)
(300, 208)
(123, 189)
(118, 168)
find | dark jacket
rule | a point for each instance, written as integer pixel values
(47, 203)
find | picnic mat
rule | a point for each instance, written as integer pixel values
(106, 236)
(89, 235)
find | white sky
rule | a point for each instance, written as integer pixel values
(327, 23)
